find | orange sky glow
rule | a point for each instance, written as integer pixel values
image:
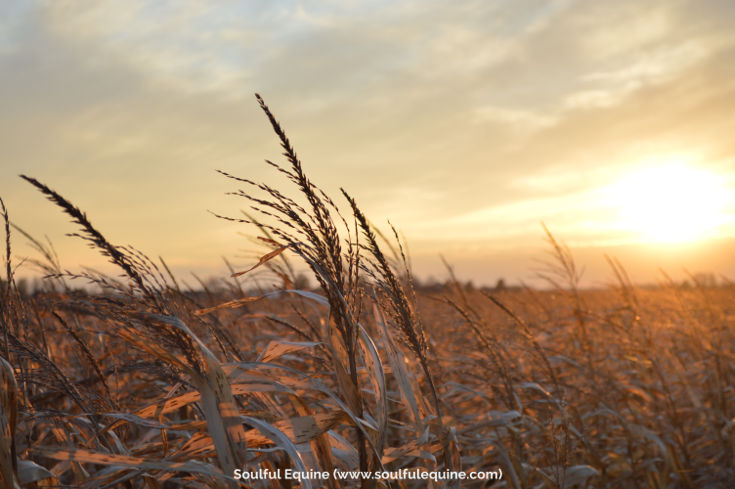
(466, 124)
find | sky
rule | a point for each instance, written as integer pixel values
(465, 123)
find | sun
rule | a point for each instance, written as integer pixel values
(671, 202)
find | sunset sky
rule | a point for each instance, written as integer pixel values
(466, 123)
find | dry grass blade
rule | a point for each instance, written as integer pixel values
(377, 375)
(263, 259)
(92, 457)
(233, 304)
(398, 369)
(281, 440)
(303, 429)
(29, 472)
(410, 449)
(579, 476)
(218, 404)
(300, 429)
(8, 422)
(276, 349)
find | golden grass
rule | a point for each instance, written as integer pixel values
(148, 384)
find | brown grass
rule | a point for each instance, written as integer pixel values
(150, 384)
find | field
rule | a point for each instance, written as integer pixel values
(141, 382)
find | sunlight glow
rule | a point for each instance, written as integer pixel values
(672, 202)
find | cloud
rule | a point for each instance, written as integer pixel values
(429, 112)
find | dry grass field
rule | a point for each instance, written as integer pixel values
(142, 382)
